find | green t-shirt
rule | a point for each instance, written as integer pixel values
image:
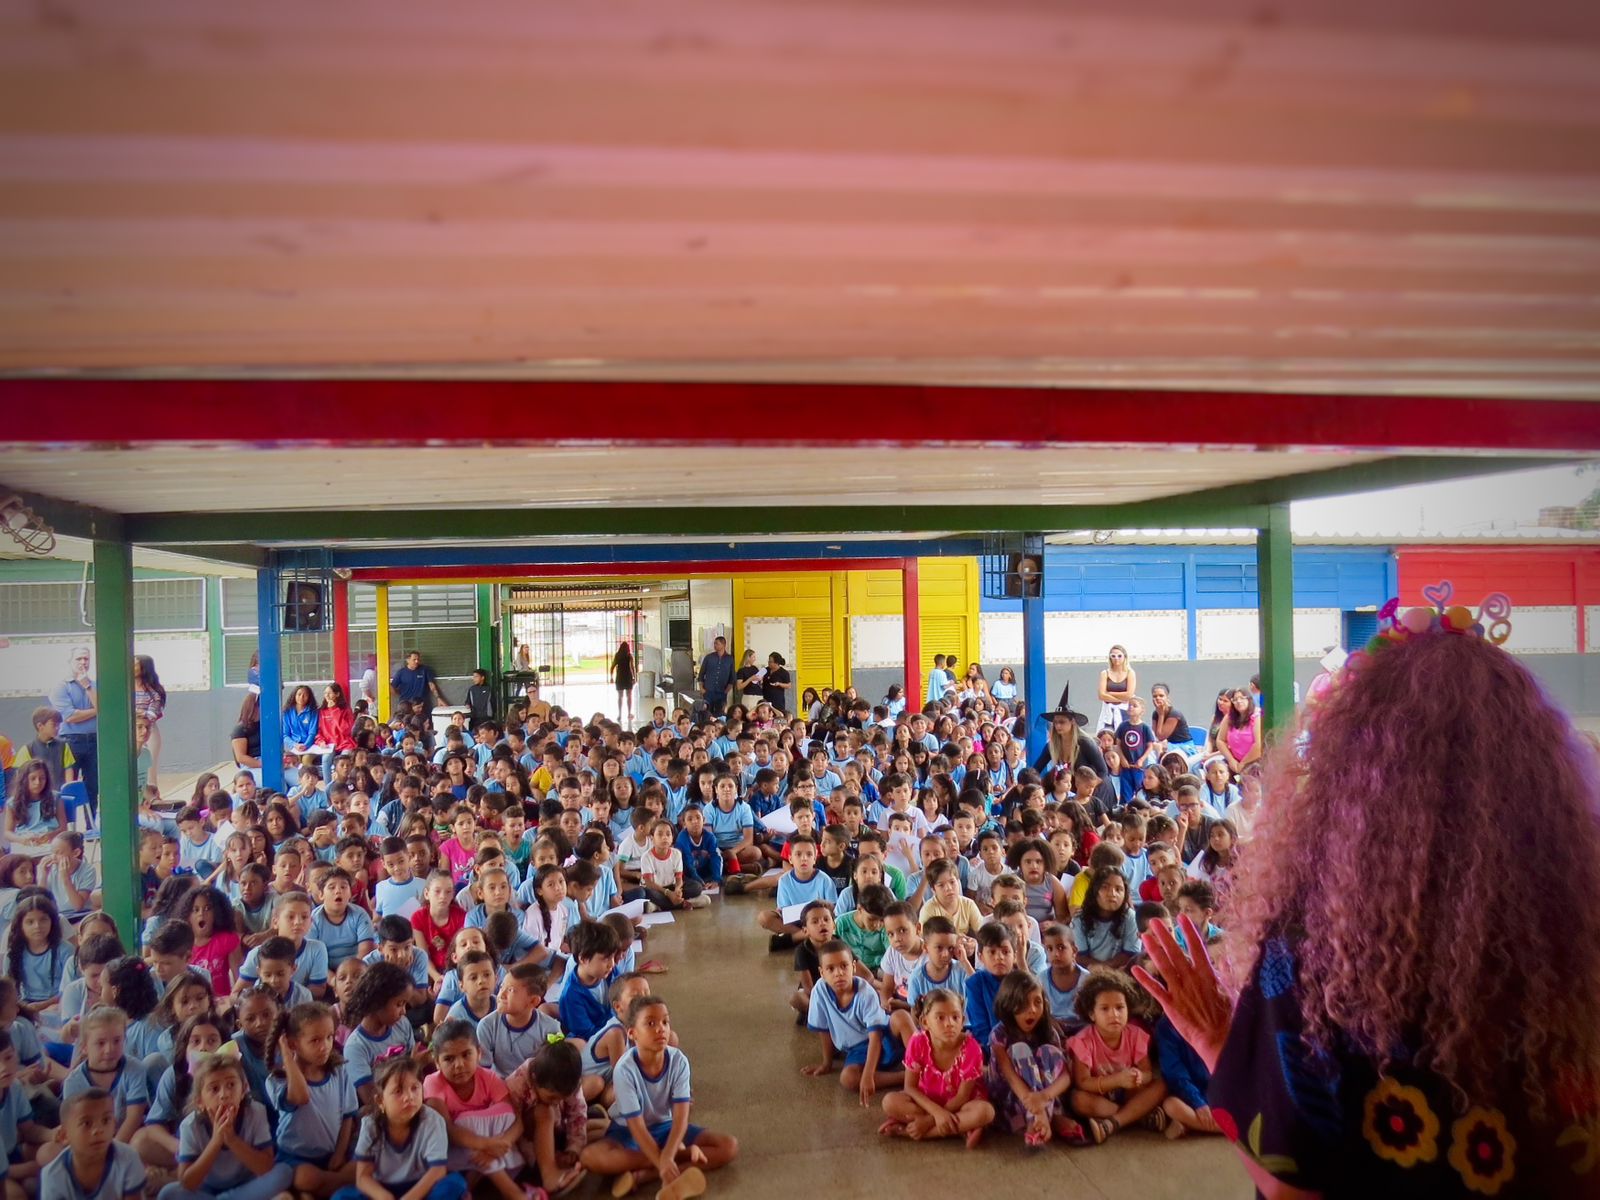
(865, 944)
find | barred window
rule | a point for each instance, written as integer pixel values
(162, 605)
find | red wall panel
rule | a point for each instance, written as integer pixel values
(1530, 576)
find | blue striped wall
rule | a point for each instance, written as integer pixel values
(1144, 578)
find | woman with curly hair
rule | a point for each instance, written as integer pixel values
(1406, 1002)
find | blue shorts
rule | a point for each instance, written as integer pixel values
(619, 1133)
(856, 1056)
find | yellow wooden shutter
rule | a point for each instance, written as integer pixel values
(813, 654)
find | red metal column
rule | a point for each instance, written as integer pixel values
(341, 635)
(912, 621)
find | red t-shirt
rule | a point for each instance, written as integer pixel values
(438, 937)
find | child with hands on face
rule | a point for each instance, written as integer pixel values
(225, 1143)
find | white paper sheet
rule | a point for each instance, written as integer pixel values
(633, 909)
(655, 918)
(779, 820)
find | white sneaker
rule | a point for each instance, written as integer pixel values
(700, 901)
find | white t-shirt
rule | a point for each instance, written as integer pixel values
(661, 872)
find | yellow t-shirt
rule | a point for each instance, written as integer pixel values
(1080, 890)
(968, 917)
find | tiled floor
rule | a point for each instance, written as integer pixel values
(803, 1137)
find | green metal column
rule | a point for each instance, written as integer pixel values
(486, 617)
(1275, 575)
(119, 806)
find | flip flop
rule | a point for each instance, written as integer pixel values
(691, 1182)
(1070, 1131)
(623, 1184)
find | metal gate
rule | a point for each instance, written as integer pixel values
(547, 642)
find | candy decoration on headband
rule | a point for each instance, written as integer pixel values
(1492, 622)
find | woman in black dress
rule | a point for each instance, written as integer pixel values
(623, 675)
(775, 687)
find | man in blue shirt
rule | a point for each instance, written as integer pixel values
(417, 685)
(75, 699)
(716, 675)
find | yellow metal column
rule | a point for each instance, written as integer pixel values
(385, 671)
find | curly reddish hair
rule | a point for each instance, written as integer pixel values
(1434, 856)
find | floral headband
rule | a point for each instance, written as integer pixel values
(1492, 622)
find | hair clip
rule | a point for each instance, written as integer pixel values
(392, 1052)
(552, 1038)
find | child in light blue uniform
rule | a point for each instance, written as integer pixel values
(376, 1014)
(39, 952)
(117, 1165)
(311, 1131)
(847, 1011)
(340, 926)
(244, 1167)
(508, 1036)
(403, 1153)
(105, 1065)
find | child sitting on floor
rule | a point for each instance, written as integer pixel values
(1028, 1070)
(848, 1016)
(1112, 1079)
(943, 1093)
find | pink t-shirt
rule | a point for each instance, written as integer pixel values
(488, 1090)
(1089, 1048)
(940, 1085)
(457, 857)
(214, 956)
(1241, 738)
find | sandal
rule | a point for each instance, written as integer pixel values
(691, 1181)
(1155, 1120)
(1100, 1128)
(624, 1184)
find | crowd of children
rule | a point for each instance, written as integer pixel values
(422, 973)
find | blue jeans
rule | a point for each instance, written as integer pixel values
(265, 1187)
(451, 1187)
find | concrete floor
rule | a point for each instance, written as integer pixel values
(803, 1137)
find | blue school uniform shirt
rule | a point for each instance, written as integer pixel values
(1135, 869)
(362, 1049)
(450, 986)
(343, 938)
(123, 1179)
(227, 1171)
(849, 1025)
(1106, 939)
(792, 891)
(1062, 1003)
(701, 860)
(478, 915)
(722, 747)
(593, 1064)
(677, 798)
(255, 1067)
(426, 1146)
(621, 823)
(460, 1012)
(192, 854)
(418, 965)
(164, 1107)
(310, 964)
(130, 1087)
(25, 1039)
(85, 878)
(506, 1047)
(728, 827)
(920, 983)
(982, 987)
(402, 899)
(41, 973)
(582, 1006)
(649, 1097)
(15, 1110)
(145, 1037)
(309, 1132)
(604, 894)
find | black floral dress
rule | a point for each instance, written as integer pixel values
(1332, 1123)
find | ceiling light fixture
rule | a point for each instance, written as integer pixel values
(26, 527)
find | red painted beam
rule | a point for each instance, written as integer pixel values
(911, 625)
(415, 412)
(341, 633)
(660, 570)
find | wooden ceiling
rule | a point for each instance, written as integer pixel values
(1337, 195)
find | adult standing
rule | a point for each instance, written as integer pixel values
(417, 685)
(79, 705)
(777, 682)
(749, 679)
(716, 676)
(623, 674)
(1117, 682)
(149, 702)
(1408, 1009)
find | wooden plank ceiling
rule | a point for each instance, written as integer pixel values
(1273, 194)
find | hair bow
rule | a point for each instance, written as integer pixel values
(391, 1052)
(225, 1053)
(553, 1038)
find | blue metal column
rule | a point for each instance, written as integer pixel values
(271, 649)
(1035, 682)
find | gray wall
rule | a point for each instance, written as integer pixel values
(194, 732)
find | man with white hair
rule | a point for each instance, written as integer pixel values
(79, 705)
